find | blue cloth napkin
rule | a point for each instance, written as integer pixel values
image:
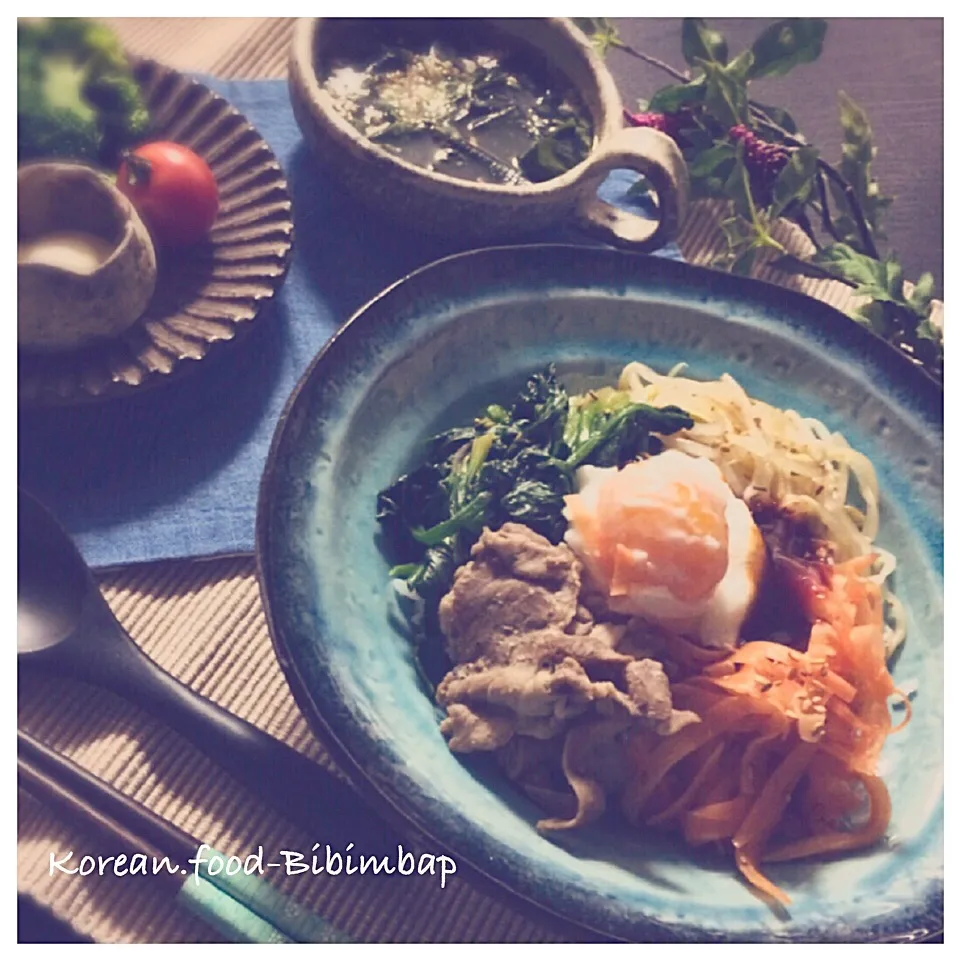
(174, 473)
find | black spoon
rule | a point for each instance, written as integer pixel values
(64, 626)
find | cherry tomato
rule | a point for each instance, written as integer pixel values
(172, 189)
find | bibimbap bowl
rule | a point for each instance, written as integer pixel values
(468, 331)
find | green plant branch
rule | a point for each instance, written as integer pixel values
(825, 219)
(653, 61)
(866, 234)
(753, 156)
(791, 139)
(799, 216)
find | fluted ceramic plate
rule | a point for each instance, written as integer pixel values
(206, 296)
(468, 330)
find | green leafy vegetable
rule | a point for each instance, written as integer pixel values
(612, 431)
(76, 95)
(557, 153)
(514, 463)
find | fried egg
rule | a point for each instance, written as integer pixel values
(667, 540)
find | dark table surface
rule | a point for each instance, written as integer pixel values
(892, 67)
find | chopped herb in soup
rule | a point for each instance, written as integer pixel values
(482, 116)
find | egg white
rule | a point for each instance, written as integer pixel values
(715, 619)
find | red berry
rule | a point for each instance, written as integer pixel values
(763, 160)
(669, 123)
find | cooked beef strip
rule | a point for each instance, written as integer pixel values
(515, 582)
(530, 659)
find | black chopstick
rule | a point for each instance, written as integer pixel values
(243, 907)
(230, 918)
(98, 802)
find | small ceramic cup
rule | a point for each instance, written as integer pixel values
(439, 203)
(63, 306)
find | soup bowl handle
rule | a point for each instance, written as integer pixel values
(653, 155)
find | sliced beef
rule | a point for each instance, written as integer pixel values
(531, 661)
(515, 582)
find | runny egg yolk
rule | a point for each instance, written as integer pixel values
(655, 523)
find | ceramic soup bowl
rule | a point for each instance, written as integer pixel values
(438, 203)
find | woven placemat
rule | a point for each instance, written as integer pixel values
(203, 622)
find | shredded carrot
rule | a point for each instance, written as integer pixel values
(784, 734)
(746, 862)
(838, 841)
(907, 708)
(728, 714)
(772, 800)
(689, 794)
(754, 753)
(716, 821)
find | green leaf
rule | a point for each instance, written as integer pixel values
(696, 140)
(878, 316)
(843, 261)
(785, 44)
(905, 323)
(922, 292)
(602, 31)
(670, 99)
(555, 154)
(789, 263)
(726, 91)
(894, 279)
(701, 43)
(714, 185)
(743, 264)
(856, 127)
(927, 330)
(706, 162)
(880, 280)
(795, 180)
(857, 155)
(779, 116)
(470, 515)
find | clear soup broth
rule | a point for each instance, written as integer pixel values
(450, 101)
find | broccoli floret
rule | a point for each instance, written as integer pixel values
(53, 118)
(57, 133)
(76, 96)
(123, 116)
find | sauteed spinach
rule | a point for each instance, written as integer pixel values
(513, 463)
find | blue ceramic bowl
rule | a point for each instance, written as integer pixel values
(467, 330)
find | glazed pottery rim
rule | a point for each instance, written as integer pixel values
(321, 105)
(924, 388)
